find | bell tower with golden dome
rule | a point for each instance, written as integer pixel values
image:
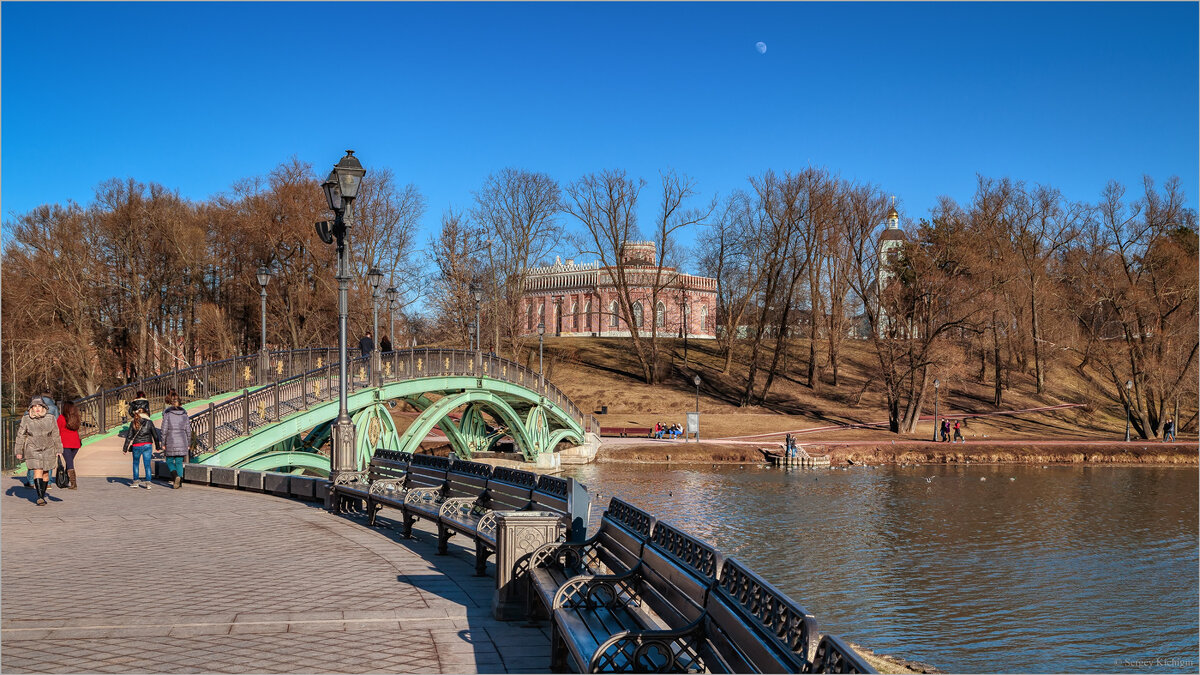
(891, 240)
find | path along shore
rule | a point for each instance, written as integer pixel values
(733, 451)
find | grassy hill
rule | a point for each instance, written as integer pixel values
(597, 372)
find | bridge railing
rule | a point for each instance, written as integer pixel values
(110, 408)
(254, 408)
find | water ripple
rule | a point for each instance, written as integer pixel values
(1066, 569)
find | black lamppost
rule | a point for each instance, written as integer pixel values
(1128, 401)
(683, 313)
(936, 383)
(541, 339)
(341, 188)
(264, 278)
(477, 294)
(391, 294)
(696, 380)
(374, 278)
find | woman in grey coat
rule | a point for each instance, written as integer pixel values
(39, 444)
(176, 437)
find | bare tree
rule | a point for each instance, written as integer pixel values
(517, 211)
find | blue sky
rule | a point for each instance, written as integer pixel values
(916, 97)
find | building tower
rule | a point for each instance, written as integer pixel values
(891, 240)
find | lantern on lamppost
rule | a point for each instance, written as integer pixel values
(341, 189)
(391, 295)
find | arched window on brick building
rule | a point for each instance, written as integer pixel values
(638, 315)
(703, 317)
(613, 319)
(587, 311)
(574, 316)
(660, 315)
(529, 317)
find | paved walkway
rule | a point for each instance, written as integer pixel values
(114, 580)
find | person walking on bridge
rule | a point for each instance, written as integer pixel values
(142, 440)
(176, 437)
(366, 345)
(385, 345)
(39, 444)
(68, 429)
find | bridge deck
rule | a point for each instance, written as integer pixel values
(110, 579)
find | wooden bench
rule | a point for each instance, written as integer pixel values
(353, 488)
(424, 471)
(624, 432)
(649, 619)
(465, 481)
(616, 548)
(507, 490)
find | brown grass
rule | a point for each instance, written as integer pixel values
(597, 372)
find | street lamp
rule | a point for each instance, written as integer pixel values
(936, 383)
(264, 278)
(696, 380)
(683, 313)
(374, 278)
(1128, 388)
(541, 339)
(391, 294)
(470, 336)
(341, 188)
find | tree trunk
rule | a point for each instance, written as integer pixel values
(998, 395)
(1037, 339)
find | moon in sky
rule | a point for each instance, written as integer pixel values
(761, 47)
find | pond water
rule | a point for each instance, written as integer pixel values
(967, 568)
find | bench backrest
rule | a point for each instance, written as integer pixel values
(388, 464)
(426, 471)
(752, 627)
(678, 570)
(510, 489)
(568, 497)
(467, 479)
(835, 656)
(623, 532)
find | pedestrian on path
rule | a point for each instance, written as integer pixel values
(366, 345)
(52, 411)
(139, 403)
(68, 430)
(142, 441)
(958, 437)
(945, 430)
(1169, 431)
(38, 443)
(176, 437)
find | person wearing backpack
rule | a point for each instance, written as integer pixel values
(142, 440)
(176, 437)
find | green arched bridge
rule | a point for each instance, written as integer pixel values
(284, 404)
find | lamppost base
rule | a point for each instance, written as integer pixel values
(343, 448)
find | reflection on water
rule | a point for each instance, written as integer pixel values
(970, 569)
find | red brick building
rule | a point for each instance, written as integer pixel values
(580, 300)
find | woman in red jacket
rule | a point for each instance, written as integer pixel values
(68, 428)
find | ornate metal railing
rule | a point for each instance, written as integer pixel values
(295, 371)
(254, 408)
(110, 408)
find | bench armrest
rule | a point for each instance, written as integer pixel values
(386, 487)
(429, 495)
(565, 555)
(463, 505)
(348, 477)
(602, 590)
(651, 651)
(487, 524)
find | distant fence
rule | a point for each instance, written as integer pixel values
(9, 431)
